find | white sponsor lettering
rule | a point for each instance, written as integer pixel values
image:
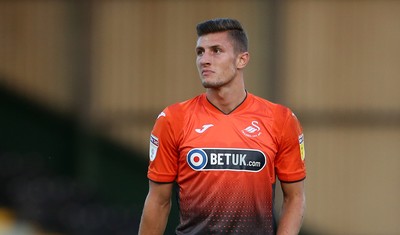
(222, 159)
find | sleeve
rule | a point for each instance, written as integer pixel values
(290, 159)
(163, 150)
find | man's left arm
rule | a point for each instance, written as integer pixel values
(293, 207)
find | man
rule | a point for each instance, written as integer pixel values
(224, 149)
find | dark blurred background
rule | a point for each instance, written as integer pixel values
(81, 83)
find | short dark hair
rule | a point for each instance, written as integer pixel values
(234, 28)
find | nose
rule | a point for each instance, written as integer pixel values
(204, 59)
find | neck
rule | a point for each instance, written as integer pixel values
(226, 100)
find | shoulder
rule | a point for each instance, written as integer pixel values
(177, 112)
(183, 107)
(276, 110)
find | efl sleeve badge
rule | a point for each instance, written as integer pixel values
(302, 150)
(153, 147)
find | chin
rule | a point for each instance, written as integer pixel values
(214, 83)
(211, 85)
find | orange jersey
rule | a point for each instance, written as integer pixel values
(226, 164)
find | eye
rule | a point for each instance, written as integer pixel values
(217, 50)
(199, 52)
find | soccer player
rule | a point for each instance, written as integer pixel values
(224, 149)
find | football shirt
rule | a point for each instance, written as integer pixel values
(226, 164)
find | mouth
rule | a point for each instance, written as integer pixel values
(206, 72)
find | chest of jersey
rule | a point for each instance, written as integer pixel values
(228, 143)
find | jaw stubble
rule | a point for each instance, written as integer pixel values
(216, 82)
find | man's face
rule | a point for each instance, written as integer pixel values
(216, 59)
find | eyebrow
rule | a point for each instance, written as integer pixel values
(212, 47)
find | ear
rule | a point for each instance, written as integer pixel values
(242, 59)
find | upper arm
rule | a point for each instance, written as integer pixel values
(156, 208)
(164, 154)
(293, 208)
(290, 158)
(160, 193)
(293, 190)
